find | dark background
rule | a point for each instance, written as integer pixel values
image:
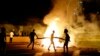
(18, 12)
(90, 6)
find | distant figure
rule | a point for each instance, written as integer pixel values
(11, 36)
(67, 39)
(31, 36)
(52, 42)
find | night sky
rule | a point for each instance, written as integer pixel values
(90, 6)
(18, 12)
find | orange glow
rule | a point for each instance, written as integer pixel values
(52, 26)
(56, 27)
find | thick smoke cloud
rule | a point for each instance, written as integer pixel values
(80, 17)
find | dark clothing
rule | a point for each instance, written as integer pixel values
(67, 38)
(2, 35)
(10, 40)
(31, 36)
(3, 40)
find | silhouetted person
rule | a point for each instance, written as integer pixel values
(52, 42)
(11, 36)
(31, 36)
(2, 35)
(3, 39)
(67, 39)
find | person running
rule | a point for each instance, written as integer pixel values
(52, 42)
(31, 37)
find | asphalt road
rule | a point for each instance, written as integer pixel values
(20, 49)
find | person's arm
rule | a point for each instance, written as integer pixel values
(36, 35)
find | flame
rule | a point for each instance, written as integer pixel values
(54, 25)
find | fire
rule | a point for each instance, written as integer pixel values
(56, 27)
(52, 26)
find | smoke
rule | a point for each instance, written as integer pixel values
(64, 10)
(70, 14)
(62, 15)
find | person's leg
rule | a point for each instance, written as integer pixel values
(49, 46)
(11, 40)
(64, 48)
(67, 46)
(54, 46)
(29, 44)
(4, 48)
(32, 45)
